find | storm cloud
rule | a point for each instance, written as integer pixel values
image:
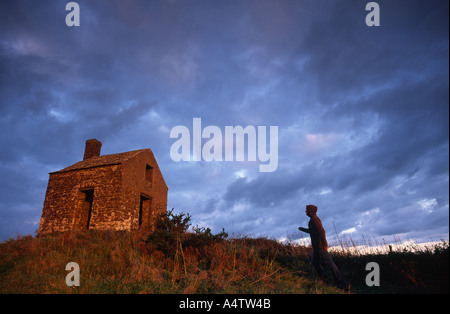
(362, 112)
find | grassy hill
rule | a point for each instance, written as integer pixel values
(172, 260)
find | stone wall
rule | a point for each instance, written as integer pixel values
(137, 184)
(63, 204)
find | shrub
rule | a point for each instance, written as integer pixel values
(170, 236)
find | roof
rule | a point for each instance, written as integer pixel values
(105, 160)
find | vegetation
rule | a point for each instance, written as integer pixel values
(172, 259)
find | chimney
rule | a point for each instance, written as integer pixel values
(92, 149)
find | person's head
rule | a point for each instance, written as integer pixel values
(311, 210)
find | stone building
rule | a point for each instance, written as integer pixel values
(122, 191)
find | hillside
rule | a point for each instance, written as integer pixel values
(173, 260)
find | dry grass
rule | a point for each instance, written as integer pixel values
(117, 262)
(173, 260)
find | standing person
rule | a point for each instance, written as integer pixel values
(319, 244)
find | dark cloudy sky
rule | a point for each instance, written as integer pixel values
(362, 112)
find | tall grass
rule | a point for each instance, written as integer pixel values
(174, 258)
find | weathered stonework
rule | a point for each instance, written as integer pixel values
(120, 191)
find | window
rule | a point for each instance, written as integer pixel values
(149, 173)
(84, 210)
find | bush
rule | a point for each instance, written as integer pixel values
(171, 237)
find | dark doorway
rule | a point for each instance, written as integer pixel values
(85, 200)
(144, 210)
